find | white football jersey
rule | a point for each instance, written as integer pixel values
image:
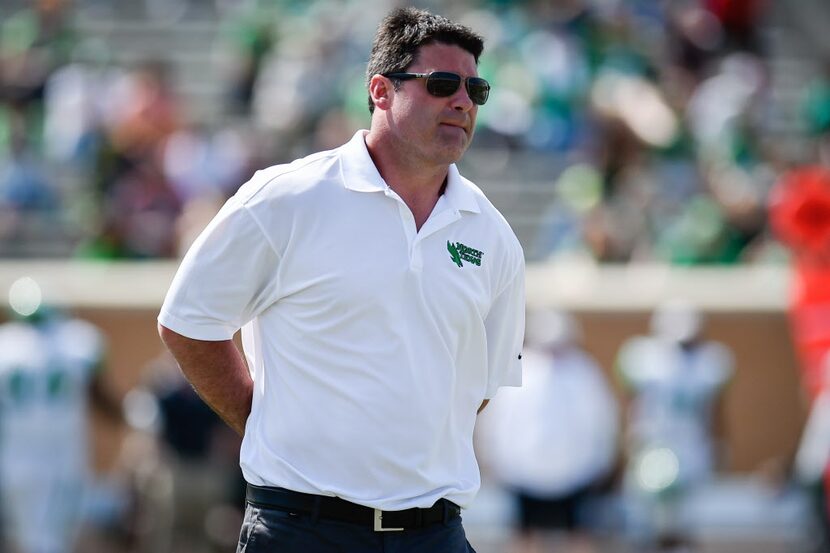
(45, 371)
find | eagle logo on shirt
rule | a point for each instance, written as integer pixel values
(459, 252)
(456, 258)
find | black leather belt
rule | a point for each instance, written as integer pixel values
(335, 508)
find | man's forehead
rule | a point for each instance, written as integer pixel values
(437, 56)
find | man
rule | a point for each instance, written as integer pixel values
(381, 300)
(553, 442)
(50, 369)
(675, 378)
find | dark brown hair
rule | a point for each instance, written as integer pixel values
(404, 31)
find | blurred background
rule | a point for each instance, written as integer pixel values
(664, 163)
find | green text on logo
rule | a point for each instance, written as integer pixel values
(459, 252)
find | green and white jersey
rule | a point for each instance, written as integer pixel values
(45, 371)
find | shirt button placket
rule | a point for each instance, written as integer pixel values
(416, 258)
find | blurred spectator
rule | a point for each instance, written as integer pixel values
(695, 36)
(675, 378)
(812, 461)
(316, 46)
(577, 192)
(700, 234)
(34, 41)
(145, 110)
(188, 491)
(739, 20)
(553, 442)
(815, 107)
(26, 195)
(800, 213)
(251, 37)
(78, 98)
(139, 218)
(140, 117)
(49, 369)
(202, 164)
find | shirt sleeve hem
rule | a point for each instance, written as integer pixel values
(513, 380)
(207, 332)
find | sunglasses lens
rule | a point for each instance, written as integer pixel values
(443, 84)
(478, 89)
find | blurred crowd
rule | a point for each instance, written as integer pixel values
(652, 124)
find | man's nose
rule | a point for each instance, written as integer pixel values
(461, 99)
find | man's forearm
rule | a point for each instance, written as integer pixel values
(217, 372)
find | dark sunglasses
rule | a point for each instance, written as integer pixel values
(443, 84)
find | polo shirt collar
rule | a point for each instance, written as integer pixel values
(360, 174)
(459, 193)
(357, 168)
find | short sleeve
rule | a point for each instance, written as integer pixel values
(225, 279)
(505, 327)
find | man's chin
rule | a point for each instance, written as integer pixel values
(453, 150)
(451, 155)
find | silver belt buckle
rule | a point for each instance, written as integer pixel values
(379, 523)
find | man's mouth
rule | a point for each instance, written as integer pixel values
(454, 125)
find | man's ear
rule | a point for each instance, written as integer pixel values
(381, 91)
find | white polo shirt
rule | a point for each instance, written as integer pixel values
(371, 344)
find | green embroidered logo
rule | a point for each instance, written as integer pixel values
(459, 252)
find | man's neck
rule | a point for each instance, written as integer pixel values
(418, 184)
